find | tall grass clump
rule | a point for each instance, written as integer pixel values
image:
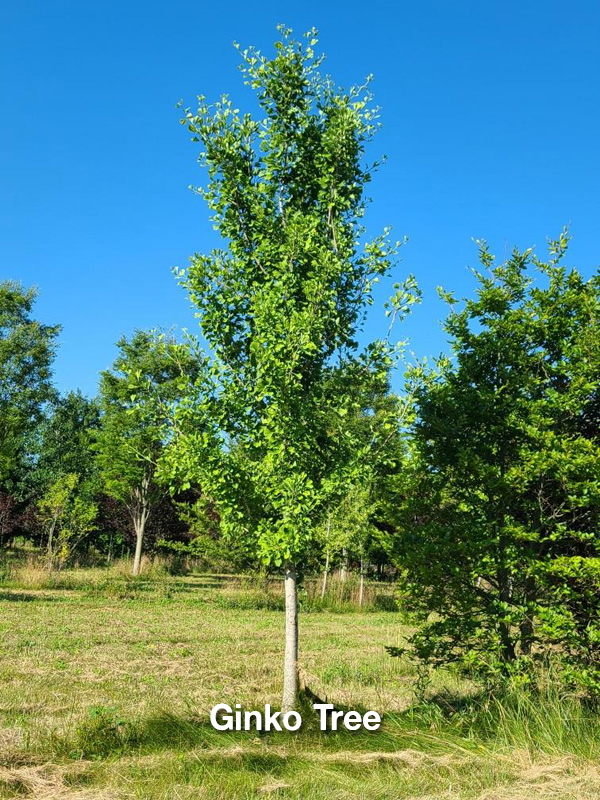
(541, 718)
(343, 595)
(544, 719)
(33, 574)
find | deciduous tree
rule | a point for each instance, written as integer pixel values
(134, 396)
(27, 349)
(500, 511)
(67, 517)
(66, 436)
(281, 308)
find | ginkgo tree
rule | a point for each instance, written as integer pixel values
(281, 307)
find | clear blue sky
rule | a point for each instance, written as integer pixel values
(491, 119)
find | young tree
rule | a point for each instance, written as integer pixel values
(353, 526)
(500, 511)
(27, 349)
(348, 528)
(68, 518)
(134, 395)
(281, 309)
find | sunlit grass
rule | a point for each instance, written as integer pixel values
(106, 686)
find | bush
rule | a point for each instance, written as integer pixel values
(497, 529)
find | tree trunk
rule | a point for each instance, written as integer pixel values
(139, 511)
(344, 566)
(325, 573)
(526, 627)
(505, 595)
(361, 588)
(139, 525)
(290, 664)
(49, 554)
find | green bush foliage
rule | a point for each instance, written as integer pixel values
(498, 514)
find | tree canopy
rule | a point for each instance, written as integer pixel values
(27, 349)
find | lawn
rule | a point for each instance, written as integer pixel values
(106, 687)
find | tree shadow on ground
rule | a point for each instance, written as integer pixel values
(450, 704)
(181, 733)
(185, 732)
(26, 597)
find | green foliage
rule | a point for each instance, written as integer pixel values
(499, 512)
(263, 430)
(206, 543)
(134, 394)
(357, 506)
(350, 527)
(67, 517)
(66, 437)
(102, 733)
(27, 350)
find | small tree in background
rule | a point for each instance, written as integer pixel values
(350, 527)
(134, 395)
(67, 517)
(348, 530)
(281, 309)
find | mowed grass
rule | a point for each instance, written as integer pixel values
(106, 687)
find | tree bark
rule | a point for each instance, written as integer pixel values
(49, 553)
(325, 573)
(361, 588)
(344, 565)
(139, 525)
(290, 664)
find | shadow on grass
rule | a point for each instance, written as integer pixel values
(451, 704)
(25, 597)
(103, 734)
(172, 732)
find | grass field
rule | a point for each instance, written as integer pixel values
(106, 685)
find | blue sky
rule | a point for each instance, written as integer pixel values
(491, 125)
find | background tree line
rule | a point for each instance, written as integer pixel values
(79, 476)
